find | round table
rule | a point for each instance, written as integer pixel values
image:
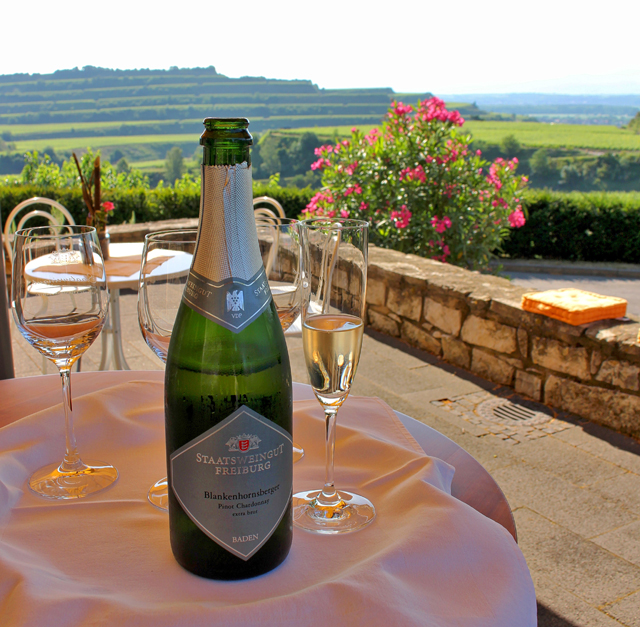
(471, 484)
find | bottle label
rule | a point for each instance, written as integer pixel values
(227, 282)
(235, 480)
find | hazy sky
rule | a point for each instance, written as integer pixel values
(443, 46)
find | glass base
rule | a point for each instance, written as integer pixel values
(159, 494)
(352, 513)
(298, 453)
(54, 483)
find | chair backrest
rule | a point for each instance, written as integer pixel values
(275, 211)
(6, 353)
(16, 221)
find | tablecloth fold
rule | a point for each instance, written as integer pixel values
(427, 559)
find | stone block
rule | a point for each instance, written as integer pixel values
(596, 361)
(382, 323)
(405, 302)
(523, 342)
(611, 408)
(489, 334)
(554, 355)
(445, 318)
(456, 352)
(376, 292)
(620, 374)
(529, 384)
(491, 367)
(417, 336)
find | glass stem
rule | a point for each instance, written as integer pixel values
(329, 497)
(71, 461)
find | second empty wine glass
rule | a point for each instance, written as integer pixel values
(166, 259)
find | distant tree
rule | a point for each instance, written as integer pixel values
(634, 124)
(116, 155)
(122, 166)
(174, 164)
(540, 164)
(510, 146)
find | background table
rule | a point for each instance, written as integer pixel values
(471, 484)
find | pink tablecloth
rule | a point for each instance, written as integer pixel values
(427, 559)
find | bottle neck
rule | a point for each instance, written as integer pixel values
(225, 153)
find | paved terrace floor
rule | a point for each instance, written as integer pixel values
(574, 487)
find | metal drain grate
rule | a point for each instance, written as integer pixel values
(505, 412)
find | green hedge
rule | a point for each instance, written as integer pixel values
(594, 226)
(572, 226)
(142, 204)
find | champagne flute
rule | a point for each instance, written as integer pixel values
(279, 240)
(164, 269)
(59, 301)
(334, 253)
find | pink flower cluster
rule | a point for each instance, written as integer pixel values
(414, 174)
(314, 203)
(372, 136)
(355, 189)
(434, 109)
(516, 219)
(108, 206)
(443, 247)
(400, 109)
(320, 163)
(323, 150)
(401, 218)
(351, 168)
(441, 225)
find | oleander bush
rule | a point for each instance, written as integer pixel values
(421, 187)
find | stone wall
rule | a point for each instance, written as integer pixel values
(475, 321)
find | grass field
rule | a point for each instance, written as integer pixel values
(533, 134)
(536, 134)
(80, 143)
(530, 134)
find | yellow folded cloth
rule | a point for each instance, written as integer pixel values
(126, 266)
(574, 306)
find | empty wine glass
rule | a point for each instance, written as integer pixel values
(59, 301)
(164, 269)
(279, 240)
(334, 253)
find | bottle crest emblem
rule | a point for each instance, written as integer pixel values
(235, 300)
(243, 443)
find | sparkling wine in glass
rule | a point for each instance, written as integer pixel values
(164, 269)
(59, 301)
(334, 253)
(279, 240)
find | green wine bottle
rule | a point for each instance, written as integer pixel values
(228, 392)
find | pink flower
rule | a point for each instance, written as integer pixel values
(441, 225)
(364, 206)
(401, 218)
(108, 206)
(401, 109)
(344, 213)
(516, 219)
(320, 163)
(350, 169)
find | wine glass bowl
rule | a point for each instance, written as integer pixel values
(60, 301)
(279, 240)
(164, 268)
(334, 262)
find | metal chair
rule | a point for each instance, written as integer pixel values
(6, 353)
(17, 219)
(11, 227)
